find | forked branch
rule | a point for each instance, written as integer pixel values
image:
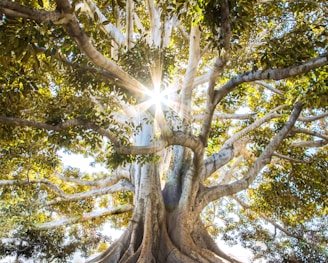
(229, 149)
(216, 192)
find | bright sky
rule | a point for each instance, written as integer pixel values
(80, 162)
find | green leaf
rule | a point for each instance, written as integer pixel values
(105, 23)
(40, 2)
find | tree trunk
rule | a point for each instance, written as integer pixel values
(164, 226)
(161, 228)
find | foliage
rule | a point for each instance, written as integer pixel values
(48, 78)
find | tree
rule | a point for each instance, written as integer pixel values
(210, 117)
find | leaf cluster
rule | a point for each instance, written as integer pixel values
(140, 60)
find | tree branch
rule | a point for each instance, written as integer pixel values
(109, 28)
(199, 80)
(68, 124)
(310, 144)
(210, 106)
(155, 147)
(193, 59)
(129, 24)
(138, 23)
(177, 138)
(312, 133)
(223, 116)
(85, 45)
(275, 74)
(271, 115)
(63, 15)
(214, 193)
(226, 27)
(225, 33)
(247, 207)
(228, 175)
(313, 118)
(169, 24)
(85, 217)
(183, 31)
(269, 87)
(155, 23)
(228, 152)
(122, 185)
(281, 156)
(14, 9)
(117, 175)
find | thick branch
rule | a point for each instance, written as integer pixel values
(169, 24)
(155, 147)
(14, 9)
(193, 59)
(64, 16)
(155, 23)
(85, 45)
(216, 161)
(202, 79)
(228, 152)
(275, 74)
(225, 33)
(129, 24)
(226, 27)
(109, 28)
(85, 217)
(214, 193)
(177, 138)
(89, 125)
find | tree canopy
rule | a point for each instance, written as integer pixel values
(209, 118)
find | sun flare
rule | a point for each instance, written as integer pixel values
(157, 97)
(160, 100)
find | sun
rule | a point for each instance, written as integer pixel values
(157, 97)
(158, 100)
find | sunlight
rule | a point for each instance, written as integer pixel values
(157, 97)
(158, 100)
